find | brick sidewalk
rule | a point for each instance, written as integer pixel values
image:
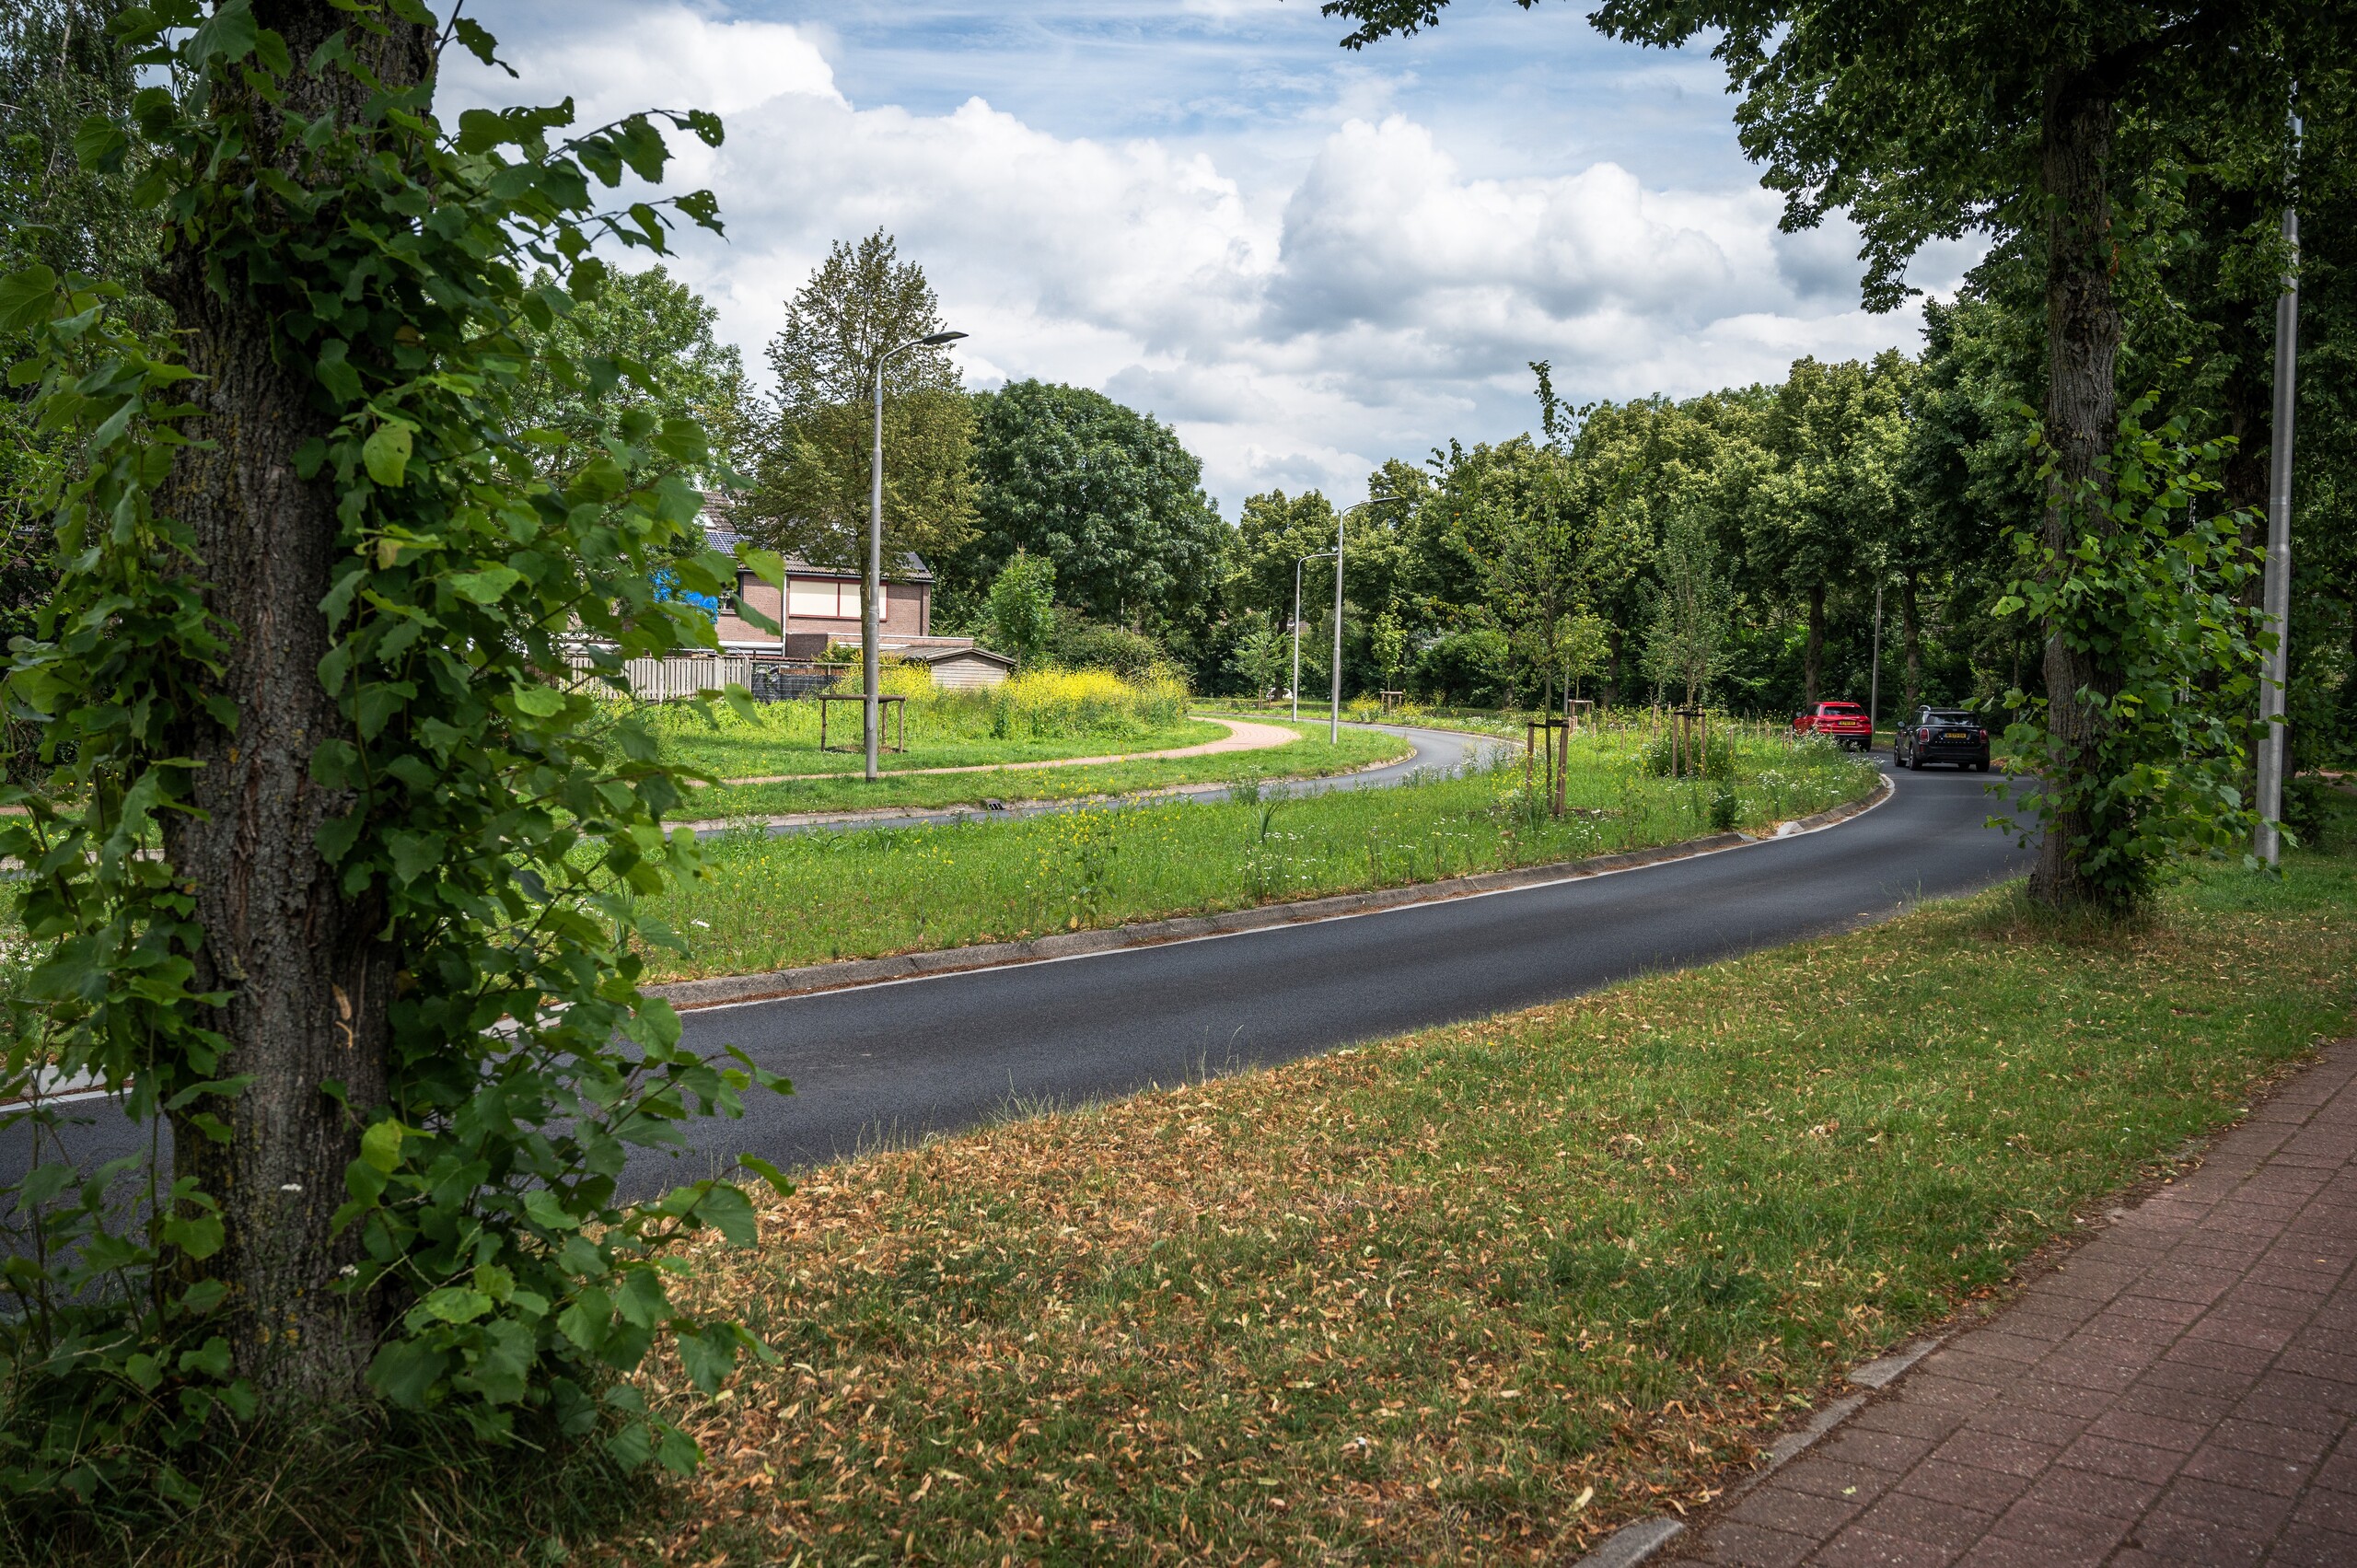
(2180, 1391)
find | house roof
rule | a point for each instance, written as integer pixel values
(724, 536)
(942, 656)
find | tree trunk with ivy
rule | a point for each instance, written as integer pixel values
(2083, 336)
(306, 974)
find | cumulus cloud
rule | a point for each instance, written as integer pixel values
(1299, 314)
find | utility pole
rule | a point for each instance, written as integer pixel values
(1334, 719)
(2276, 591)
(871, 657)
(1295, 692)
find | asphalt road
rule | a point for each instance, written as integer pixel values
(894, 1062)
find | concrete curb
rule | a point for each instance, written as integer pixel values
(1638, 1542)
(733, 990)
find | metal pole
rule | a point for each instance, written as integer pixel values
(1874, 686)
(2276, 591)
(871, 674)
(1294, 691)
(1334, 720)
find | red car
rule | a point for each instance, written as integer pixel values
(1844, 722)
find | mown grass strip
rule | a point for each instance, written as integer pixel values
(775, 901)
(1485, 1292)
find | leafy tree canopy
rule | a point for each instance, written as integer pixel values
(1108, 495)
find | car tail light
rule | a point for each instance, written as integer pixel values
(1922, 735)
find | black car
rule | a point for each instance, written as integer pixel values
(1943, 735)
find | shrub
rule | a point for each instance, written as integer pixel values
(1089, 644)
(1469, 668)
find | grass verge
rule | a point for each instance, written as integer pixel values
(1484, 1292)
(1309, 757)
(773, 901)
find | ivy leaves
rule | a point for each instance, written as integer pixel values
(497, 813)
(2156, 589)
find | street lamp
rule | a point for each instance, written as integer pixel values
(1294, 691)
(870, 657)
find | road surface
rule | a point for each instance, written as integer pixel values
(895, 1061)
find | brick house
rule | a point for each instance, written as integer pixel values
(821, 605)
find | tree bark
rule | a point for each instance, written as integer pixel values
(1911, 625)
(1813, 650)
(307, 971)
(2083, 338)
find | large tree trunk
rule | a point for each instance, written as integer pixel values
(1813, 650)
(2082, 410)
(307, 974)
(1911, 625)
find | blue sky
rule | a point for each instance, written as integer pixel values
(1306, 259)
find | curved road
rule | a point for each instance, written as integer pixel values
(1436, 750)
(896, 1061)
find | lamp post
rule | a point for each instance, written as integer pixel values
(2275, 596)
(1873, 682)
(1294, 689)
(871, 673)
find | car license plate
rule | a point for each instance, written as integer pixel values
(1955, 735)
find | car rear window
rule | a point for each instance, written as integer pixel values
(1841, 710)
(1953, 717)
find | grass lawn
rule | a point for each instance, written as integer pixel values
(775, 901)
(730, 754)
(1308, 757)
(1482, 1292)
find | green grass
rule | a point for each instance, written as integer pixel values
(730, 754)
(1308, 757)
(775, 901)
(1482, 1292)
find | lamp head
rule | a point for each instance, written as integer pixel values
(939, 338)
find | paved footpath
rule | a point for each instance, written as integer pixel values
(2180, 1391)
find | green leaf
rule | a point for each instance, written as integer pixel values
(725, 1208)
(100, 144)
(406, 1371)
(414, 854)
(539, 701)
(387, 453)
(767, 565)
(27, 298)
(456, 1304)
(486, 586)
(380, 1145)
(228, 35)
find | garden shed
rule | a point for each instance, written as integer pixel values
(961, 667)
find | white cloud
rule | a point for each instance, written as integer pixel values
(1346, 293)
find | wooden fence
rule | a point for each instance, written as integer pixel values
(682, 676)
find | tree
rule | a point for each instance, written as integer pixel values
(1932, 122)
(337, 880)
(1686, 645)
(1823, 512)
(655, 333)
(1023, 605)
(814, 451)
(1104, 494)
(1259, 658)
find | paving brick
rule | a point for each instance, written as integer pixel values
(1995, 1451)
(2135, 1461)
(2089, 1538)
(2113, 1497)
(2304, 1545)
(1796, 1512)
(2180, 1393)
(1749, 1546)
(2197, 1540)
(1967, 1486)
(1854, 1548)
(2291, 1444)
(2235, 1508)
